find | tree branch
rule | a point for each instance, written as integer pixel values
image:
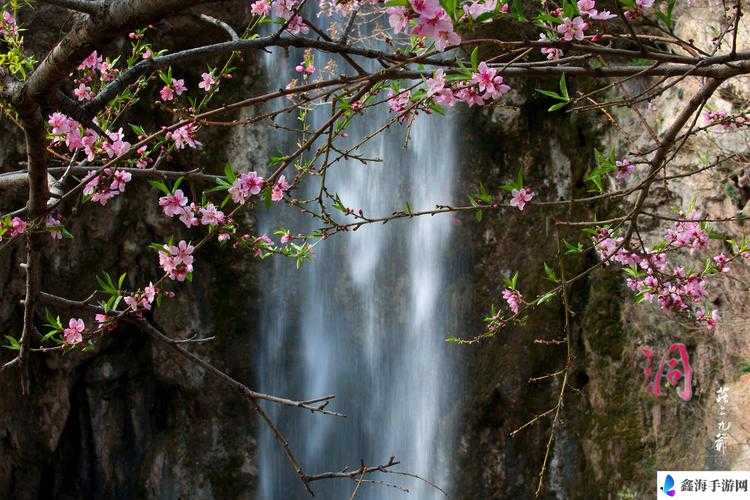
(90, 7)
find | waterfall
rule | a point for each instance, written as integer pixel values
(367, 318)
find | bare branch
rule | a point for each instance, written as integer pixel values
(90, 7)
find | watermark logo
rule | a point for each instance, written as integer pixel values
(668, 487)
(703, 484)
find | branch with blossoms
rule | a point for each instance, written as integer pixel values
(85, 144)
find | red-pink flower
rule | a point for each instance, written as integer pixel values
(520, 197)
(207, 81)
(572, 28)
(624, 169)
(92, 61)
(177, 261)
(166, 93)
(246, 185)
(173, 204)
(514, 299)
(297, 25)
(211, 216)
(476, 9)
(397, 18)
(281, 187)
(17, 227)
(185, 136)
(260, 7)
(722, 262)
(188, 215)
(116, 146)
(179, 86)
(120, 178)
(83, 92)
(73, 334)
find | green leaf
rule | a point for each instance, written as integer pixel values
(177, 184)
(550, 273)
(551, 94)
(159, 185)
(557, 106)
(545, 298)
(475, 58)
(397, 3)
(571, 249)
(517, 10)
(564, 87)
(13, 344)
(229, 173)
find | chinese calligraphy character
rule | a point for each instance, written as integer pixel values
(674, 374)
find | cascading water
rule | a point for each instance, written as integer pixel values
(366, 319)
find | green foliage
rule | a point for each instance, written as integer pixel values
(562, 96)
(605, 164)
(12, 344)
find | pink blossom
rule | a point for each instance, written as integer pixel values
(188, 215)
(211, 216)
(246, 185)
(207, 81)
(8, 24)
(514, 299)
(260, 8)
(166, 93)
(177, 261)
(520, 197)
(399, 101)
(149, 292)
(92, 61)
(173, 204)
(116, 146)
(644, 4)
(101, 319)
(425, 7)
(179, 86)
(471, 96)
(688, 234)
(436, 83)
(572, 28)
(586, 6)
(88, 141)
(710, 321)
(262, 242)
(437, 90)
(722, 262)
(223, 237)
(83, 92)
(297, 25)
(281, 187)
(476, 9)
(54, 226)
(488, 82)
(397, 18)
(185, 135)
(120, 178)
(73, 334)
(434, 22)
(624, 169)
(17, 227)
(286, 238)
(552, 53)
(61, 124)
(604, 15)
(305, 68)
(147, 54)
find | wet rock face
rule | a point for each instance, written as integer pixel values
(614, 435)
(128, 420)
